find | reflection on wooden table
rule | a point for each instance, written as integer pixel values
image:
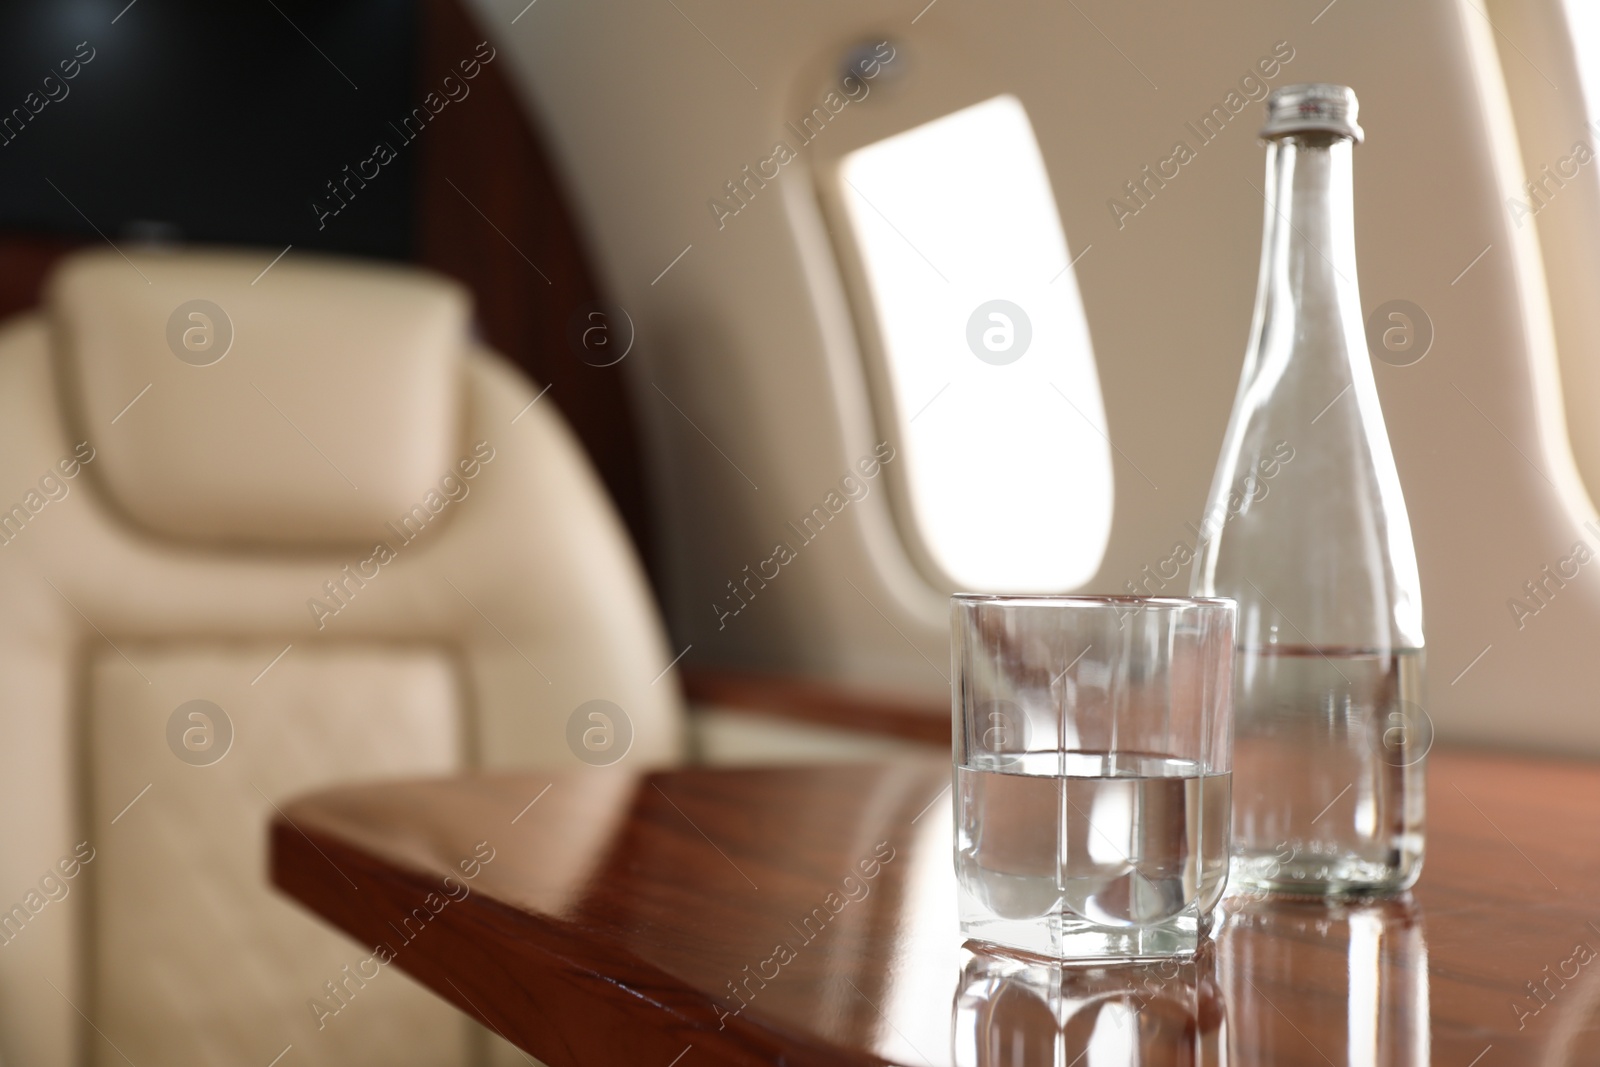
(807, 916)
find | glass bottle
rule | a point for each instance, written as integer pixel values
(1306, 528)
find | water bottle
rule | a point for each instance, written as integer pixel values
(1306, 528)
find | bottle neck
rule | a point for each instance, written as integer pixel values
(1308, 263)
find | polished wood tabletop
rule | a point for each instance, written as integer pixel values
(807, 916)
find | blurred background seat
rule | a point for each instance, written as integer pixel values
(276, 528)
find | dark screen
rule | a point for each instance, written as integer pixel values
(206, 120)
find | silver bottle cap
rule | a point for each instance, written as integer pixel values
(1312, 106)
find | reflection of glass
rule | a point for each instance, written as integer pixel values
(1013, 1012)
(1353, 977)
(1092, 771)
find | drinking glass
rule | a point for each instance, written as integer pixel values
(1093, 771)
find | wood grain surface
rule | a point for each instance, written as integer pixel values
(807, 916)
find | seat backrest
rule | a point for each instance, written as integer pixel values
(261, 531)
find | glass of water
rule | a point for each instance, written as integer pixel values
(1093, 771)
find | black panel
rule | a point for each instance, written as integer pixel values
(207, 120)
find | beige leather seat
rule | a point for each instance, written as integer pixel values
(314, 503)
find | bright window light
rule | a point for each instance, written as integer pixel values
(1583, 24)
(989, 364)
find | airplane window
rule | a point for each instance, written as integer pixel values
(1583, 21)
(987, 356)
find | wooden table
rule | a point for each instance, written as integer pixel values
(807, 916)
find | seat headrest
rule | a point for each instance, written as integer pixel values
(305, 405)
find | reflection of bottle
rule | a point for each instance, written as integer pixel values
(1306, 529)
(1014, 1012)
(1350, 978)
